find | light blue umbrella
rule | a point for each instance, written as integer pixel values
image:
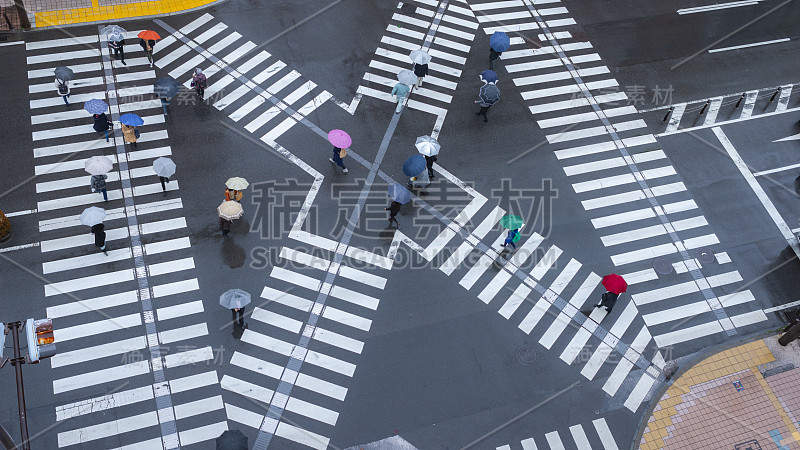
(95, 106)
(131, 120)
(399, 193)
(414, 165)
(499, 41)
(234, 298)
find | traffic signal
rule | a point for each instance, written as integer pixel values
(41, 342)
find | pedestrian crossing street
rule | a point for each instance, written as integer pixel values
(726, 108)
(446, 30)
(624, 180)
(151, 383)
(597, 436)
(236, 69)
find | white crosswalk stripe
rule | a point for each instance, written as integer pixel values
(83, 280)
(598, 437)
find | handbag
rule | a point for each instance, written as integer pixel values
(342, 153)
(136, 133)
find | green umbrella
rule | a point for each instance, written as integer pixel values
(511, 222)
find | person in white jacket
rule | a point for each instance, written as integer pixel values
(62, 87)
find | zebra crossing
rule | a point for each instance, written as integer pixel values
(624, 180)
(723, 109)
(445, 29)
(599, 437)
(261, 372)
(236, 75)
(151, 383)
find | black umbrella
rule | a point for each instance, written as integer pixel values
(489, 94)
(232, 440)
(64, 73)
(166, 87)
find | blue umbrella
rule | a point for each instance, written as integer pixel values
(414, 165)
(131, 120)
(499, 41)
(166, 87)
(399, 193)
(95, 106)
(489, 76)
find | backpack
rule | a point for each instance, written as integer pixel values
(201, 82)
(98, 182)
(62, 88)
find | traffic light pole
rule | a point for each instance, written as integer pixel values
(17, 362)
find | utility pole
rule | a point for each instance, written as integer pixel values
(17, 362)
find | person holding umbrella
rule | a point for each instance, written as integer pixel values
(166, 88)
(234, 187)
(115, 35)
(100, 237)
(227, 211)
(341, 142)
(420, 58)
(399, 196)
(512, 224)
(63, 76)
(236, 300)
(97, 167)
(98, 110)
(488, 76)
(511, 239)
(498, 43)
(429, 148)
(487, 96)
(129, 131)
(93, 217)
(147, 39)
(119, 49)
(164, 168)
(413, 166)
(615, 285)
(199, 82)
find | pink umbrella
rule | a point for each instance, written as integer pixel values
(339, 139)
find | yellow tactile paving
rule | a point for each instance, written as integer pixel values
(722, 364)
(99, 13)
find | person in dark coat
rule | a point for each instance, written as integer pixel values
(790, 333)
(607, 300)
(492, 56)
(393, 209)
(164, 181)
(429, 160)
(98, 183)
(100, 237)
(102, 124)
(337, 158)
(147, 46)
(119, 49)
(484, 109)
(510, 238)
(238, 309)
(420, 70)
(225, 226)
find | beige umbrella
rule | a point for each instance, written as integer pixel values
(230, 210)
(237, 183)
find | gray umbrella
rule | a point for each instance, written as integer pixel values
(164, 167)
(114, 32)
(489, 94)
(64, 73)
(234, 298)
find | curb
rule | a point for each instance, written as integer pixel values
(32, 19)
(698, 357)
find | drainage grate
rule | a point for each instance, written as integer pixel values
(526, 355)
(662, 266)
(705, 255)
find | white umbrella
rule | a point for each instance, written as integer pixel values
(234, 298)
(427, 145)
(237, 183)
(164, 167)
(407, 77)
(420, 57)
(230, 210)
(92, 216)
(98, 165)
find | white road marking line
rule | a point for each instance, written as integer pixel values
(675, 117)
(543, 265)
(290, 300)
(179, 310)
(188, 357)
(749, 105)
(201, 434)
(88, 282)
(57, 43)
(476, 271)
(330, 363)
(354, 297)
(529, 444)
(169, 245)
(183, 333)
(783, 99)
(619, 374)
(579, 436)
(554, 441)
(585, 117)
(534, 315)
(758, 191)
(523, 253)
(687, 334)
(97, 351)
(246, 389)
(312, 411)
(679, 312)
(456, 258)
(717, 6)
(737, 298)
(494, 286)
(770, 171)
(513, 302)
(192, 382)
(555, 329)
(295, 278)
(639, 392)
(97, 404)
(94, 378)
(606, 438)
(176, 265)
(92, 304)
(107, 429)
(755, 44)
(344, 317)
(195, 24)
(301, 436)
(748, 318)
(713, 110)
(198, 407)
(178, 287)
(338, 340)
(277, 320)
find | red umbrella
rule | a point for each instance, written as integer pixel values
(149, 35)
(615, 283)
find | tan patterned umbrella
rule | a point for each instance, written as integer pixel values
(230, 210)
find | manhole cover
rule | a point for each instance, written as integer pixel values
(526, 355)
(408, 8)
(662, 266)
(705, 255)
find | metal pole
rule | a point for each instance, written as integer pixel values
(740, 101)
(671, 108)
(773, 95)
(17, 362)
(704, 107)
(6, 439)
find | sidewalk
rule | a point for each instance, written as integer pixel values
(743, 398)
(50, 13)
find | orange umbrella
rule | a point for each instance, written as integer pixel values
(149, 35)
